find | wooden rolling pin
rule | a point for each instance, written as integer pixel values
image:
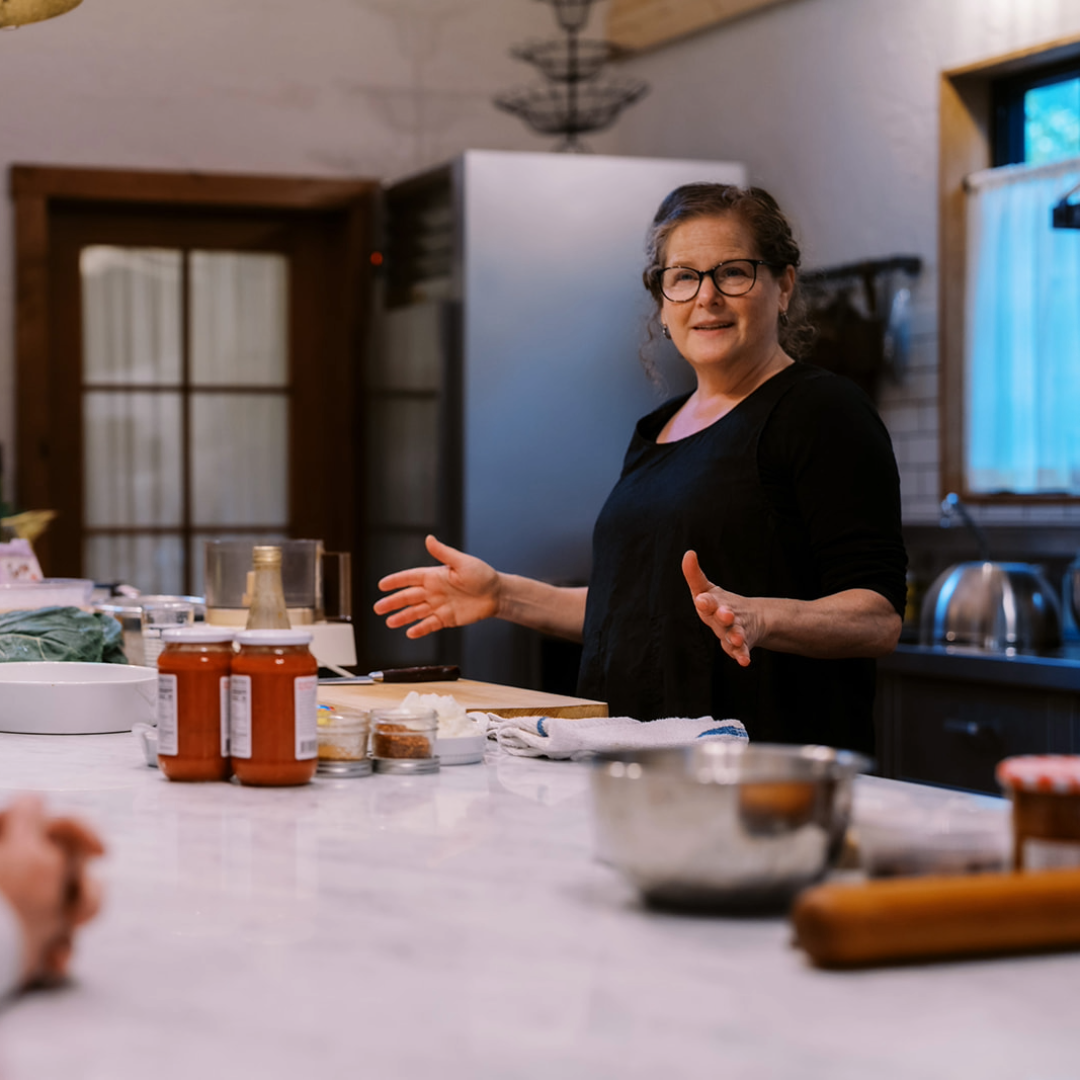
(932, 918)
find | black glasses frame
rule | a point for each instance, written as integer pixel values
(702, 274)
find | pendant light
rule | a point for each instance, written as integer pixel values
(15, 13)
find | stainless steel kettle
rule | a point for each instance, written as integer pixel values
(997, 607)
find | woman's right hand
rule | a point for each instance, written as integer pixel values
(462, 590)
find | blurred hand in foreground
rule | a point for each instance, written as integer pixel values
(43, 877)
(462, 590)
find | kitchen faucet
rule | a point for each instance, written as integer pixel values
(952, 508)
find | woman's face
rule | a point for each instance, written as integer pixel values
(714, 329)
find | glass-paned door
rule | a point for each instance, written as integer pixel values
(185, 402)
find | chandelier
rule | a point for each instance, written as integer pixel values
(577, 98)
(19, 12)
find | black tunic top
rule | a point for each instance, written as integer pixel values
(794, 493)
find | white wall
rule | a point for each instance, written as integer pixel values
(372, 88)
(833, 104)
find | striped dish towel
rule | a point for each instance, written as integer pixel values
(555, 737)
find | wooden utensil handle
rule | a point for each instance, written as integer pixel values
(930, 918)
(429, 673)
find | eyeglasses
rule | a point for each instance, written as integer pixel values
(735, 278)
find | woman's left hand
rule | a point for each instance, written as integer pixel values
(734, 619)
(852, 623)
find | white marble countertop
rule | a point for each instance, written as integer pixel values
(456, 926)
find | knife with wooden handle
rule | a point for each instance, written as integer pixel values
(427, 673)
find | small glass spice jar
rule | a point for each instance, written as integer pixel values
(343, 741)
(1045, 794)
(273, 706)
(403, 740)
(193, 702)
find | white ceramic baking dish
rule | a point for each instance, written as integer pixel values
(51, 698)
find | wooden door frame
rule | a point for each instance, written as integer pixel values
(37, 191)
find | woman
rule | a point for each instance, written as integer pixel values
(749, 561)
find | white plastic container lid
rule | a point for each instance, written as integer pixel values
(275, 637)
(203, 634)
(51, 592)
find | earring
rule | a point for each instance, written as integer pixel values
(783, 318)
(666, 331)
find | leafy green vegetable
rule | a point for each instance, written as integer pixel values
(60, 633)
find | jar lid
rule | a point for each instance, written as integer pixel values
(406, 766)
(1056, 773)
(340, 716)
(401, 713)
(349, 711)
(275, 637)
(203, 634)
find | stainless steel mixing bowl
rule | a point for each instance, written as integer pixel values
(992, 606)
(723, 825)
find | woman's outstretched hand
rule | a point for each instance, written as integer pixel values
(462, 590)
(730, 617)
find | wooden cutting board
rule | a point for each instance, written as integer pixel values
(481, 696)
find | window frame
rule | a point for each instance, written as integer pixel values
(967, 145)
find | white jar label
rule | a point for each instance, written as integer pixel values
(1051, 854)
(306, 695)
(240, 716)
(153, 646)
(168, 737)
(225, 693)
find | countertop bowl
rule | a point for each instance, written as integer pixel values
(996, 607)
(461, 750)
(51, 698)
(723, 825)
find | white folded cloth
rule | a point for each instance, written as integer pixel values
(555, 737)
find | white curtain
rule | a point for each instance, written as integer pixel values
(1022, 363)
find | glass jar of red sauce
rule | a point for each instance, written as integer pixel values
(193, 702)
(273, 710)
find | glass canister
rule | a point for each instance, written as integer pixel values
(343, 741)
(1045, 794)
(193, 702)
(157, 617)
(403, 740)
(273, 705)
(230, 579)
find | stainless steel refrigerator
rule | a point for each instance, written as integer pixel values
(504, 379)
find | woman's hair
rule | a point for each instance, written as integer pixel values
(765, 221)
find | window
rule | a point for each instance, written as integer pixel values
(1010, 297)
(1037, 116)
(1022, 338)
(185, 420)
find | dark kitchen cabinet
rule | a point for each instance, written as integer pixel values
(949, 719)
